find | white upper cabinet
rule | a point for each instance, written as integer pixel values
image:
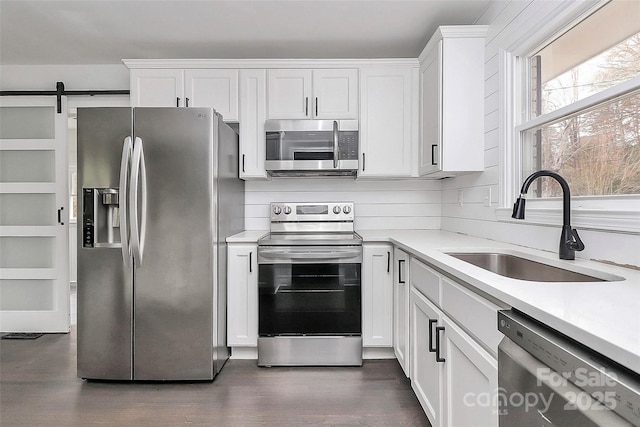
(452, 102)
(157, 88)
(387, 124)
(335, 94)
(213, 88)
(253, 111)
(187, 88)
(312, 94)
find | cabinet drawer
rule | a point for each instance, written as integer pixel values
(425, 280)
(474, 313)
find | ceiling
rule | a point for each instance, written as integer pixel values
(106, 31)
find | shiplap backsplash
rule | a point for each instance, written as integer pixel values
(402, 204)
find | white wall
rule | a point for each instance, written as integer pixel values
(401, 204)
(74, 77)
(510, 23)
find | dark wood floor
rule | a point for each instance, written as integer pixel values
(38, 387)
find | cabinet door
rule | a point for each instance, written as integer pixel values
(242, 295)
(401, 309)
(377, 295)
(386, 132)
(253, 108)
(471, 380)
(289, 94)
(213, 88)
(426, 373)
(335, 94)
(157, 88)
(452, 101)
(430, 114)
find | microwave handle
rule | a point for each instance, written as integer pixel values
(335, 144)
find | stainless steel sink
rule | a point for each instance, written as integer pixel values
(516, 267)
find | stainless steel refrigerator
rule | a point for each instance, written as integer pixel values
(159, 195)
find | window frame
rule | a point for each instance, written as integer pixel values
(615, 213)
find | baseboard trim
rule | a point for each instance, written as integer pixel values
(249, 353)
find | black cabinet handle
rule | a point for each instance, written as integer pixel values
(250, 263)
(400, 262)
(431, 323)
(433, 155)
(243, 163)
(316, 106)
(60, 216)
(363, 162)
(438, 358)
(186, 102)
(306, 106)
(388, 261)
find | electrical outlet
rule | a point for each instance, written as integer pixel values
(460, 198)
(487, 196)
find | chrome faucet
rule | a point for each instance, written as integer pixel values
(569, 239)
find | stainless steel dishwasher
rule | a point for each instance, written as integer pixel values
(547, 379)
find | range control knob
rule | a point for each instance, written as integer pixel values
(287, 210)
(346, 210)
(277, 210)
(336, 210)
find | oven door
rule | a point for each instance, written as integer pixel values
(309, 290)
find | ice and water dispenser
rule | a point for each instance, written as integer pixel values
(100, 217)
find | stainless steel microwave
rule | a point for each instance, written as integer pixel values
(311, 147)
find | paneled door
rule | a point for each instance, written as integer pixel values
(34, 212)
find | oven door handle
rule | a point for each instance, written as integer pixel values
(288, 255)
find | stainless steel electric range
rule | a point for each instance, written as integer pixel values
(309, 287)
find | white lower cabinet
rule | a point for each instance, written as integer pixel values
(401, 309)
(426, 373)
(377, 295)
(453, 374)
(471, 383)
(242, 295)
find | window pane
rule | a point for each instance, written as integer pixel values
(26, 294)
(597, 151)
(27, 209)
(600, 52)
(27, 122)
(27, 166)
(27, 252)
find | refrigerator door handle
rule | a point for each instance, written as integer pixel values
(138, 176)
(125, 164)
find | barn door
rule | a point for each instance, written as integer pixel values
(34, 212)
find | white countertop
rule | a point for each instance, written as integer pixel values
(604, 316)
(247, 236)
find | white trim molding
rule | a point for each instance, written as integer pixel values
(267, 63)
(618, 221)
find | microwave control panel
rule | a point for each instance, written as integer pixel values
(348, 145)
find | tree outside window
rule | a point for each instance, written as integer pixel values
(596, 148)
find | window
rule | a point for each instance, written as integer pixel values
(574, 101)
(582, 107)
